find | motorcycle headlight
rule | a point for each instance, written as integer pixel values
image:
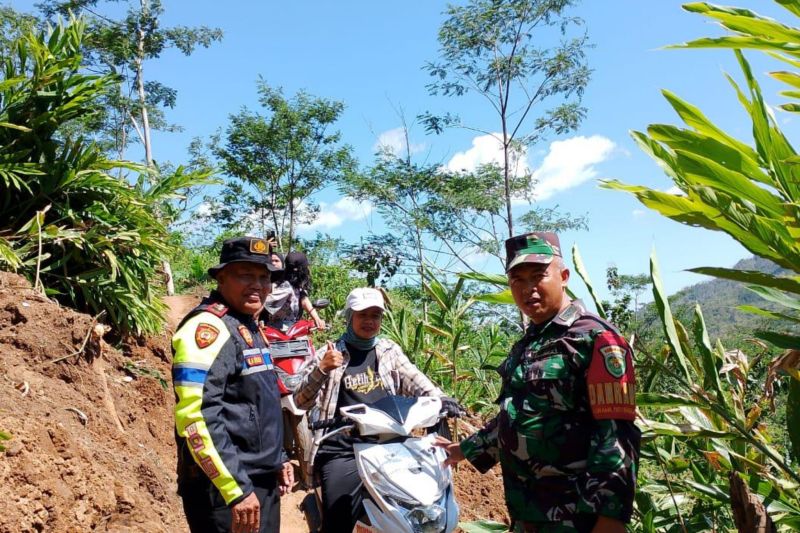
(430, 519)
(292, 382)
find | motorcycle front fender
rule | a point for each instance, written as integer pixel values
(287, 403)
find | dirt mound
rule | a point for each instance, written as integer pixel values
(91, 427)
(91, 436)
(480, 497)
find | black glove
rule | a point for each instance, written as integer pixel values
(451, 407)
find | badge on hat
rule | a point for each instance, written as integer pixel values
(259, 246)
(205, 335)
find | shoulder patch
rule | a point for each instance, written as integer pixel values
(205, 335)
(614, 359)
(246, 335)
(610, 380)
(217, 309)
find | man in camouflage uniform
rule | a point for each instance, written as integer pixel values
(564, 436)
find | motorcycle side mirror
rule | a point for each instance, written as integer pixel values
(322, 303)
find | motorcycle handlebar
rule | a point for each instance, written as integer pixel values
(340, 421)
(326, 424)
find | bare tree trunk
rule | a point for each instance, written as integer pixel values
(421, 258)
(507, 183)
(291, 225)
(749, 513)
(148, 146)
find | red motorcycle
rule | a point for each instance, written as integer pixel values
(291, 351)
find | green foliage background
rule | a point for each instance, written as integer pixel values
(718, 389)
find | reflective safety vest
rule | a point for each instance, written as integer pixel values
(228, 421)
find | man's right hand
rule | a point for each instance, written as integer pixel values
(453, 450)
(332, 359)
(246, 515)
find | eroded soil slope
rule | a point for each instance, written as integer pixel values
(91, 444)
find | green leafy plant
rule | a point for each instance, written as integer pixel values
(483, 526)
(750, 192)
(81, 234)
(454, 346)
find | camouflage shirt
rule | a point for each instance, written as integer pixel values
(564, 436)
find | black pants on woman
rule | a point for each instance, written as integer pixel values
(341, 491)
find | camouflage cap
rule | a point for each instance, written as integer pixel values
(537, 247)
(244, 250)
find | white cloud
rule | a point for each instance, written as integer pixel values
(675, 190)
(638, 213)
(334, 215)
(395, 142)
(485, 149)
(570, 163)
(565, 165)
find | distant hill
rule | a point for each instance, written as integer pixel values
(719, 299)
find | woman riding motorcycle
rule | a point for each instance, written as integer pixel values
(359, 368)
(289, 297)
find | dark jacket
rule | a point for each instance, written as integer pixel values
(228, 421)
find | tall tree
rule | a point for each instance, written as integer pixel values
(402, 191)
(69, 223)
(122, 47)
(495, 50)
(277, 161)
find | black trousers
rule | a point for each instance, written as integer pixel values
(207, 512)
(342, 491)
(581, 523)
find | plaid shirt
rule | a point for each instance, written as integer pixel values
(398, 374)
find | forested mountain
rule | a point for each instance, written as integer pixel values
(719, 300)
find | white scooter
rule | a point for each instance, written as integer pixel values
(408, 490)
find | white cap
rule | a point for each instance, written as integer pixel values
(364, 298)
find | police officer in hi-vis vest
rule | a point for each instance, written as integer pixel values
(232, 468)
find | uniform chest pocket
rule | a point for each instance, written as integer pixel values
(552, 366)
(550, 384)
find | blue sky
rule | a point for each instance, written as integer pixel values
(369, 54)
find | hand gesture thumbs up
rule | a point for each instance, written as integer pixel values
(332, 358)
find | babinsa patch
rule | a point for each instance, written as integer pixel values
(610, 381)
(614, 359)
(205, 335)
(246, 335)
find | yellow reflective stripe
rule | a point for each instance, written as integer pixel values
(189, 421)
(191, 425)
